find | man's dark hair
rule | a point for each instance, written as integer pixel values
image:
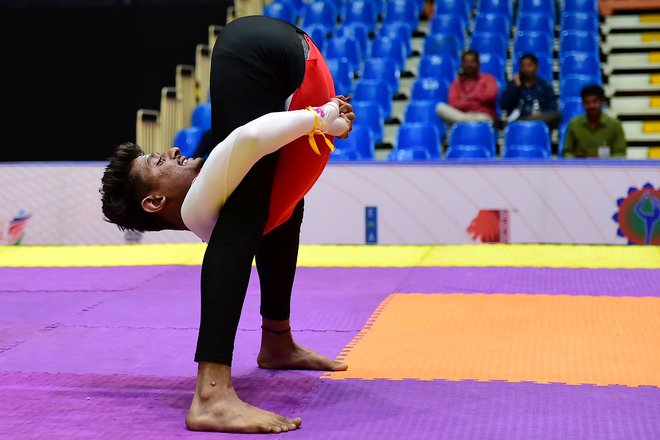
(122, 192)
(474, 53)
(593, 90)
(531, 57)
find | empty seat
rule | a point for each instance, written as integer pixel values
(201, 117)
(361, 141)
(403, 11)
(437, 67)
(539, 6)
(579, 21)
(370, 115)
(426, 89)
(535, 22)
(449, 25)
(527, 139)
(437, 44)
(495, 65)
(362, 12)
(423, 135)
(320, 12)
(358, 32)
(489, 42)
(571, 86)
(283, 11)
(188, 140)
(409, 154)
(471, 140)
(377, 91)
(342, 75)
(345, 48)
(569, 109)
(389, 47)
(382, 69)
(578, 41)
(587, 6)
(495, 23)
(460, 8)
(399, 30)
(580, 64)
(319, 35)
(424, 111)
(532, 42)
(497, 7)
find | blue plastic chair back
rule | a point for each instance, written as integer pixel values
(569, 109)
(532, 42)
(404, 11)
(571, 86)
(527, 139)
(364, 12)
(495, 65)
(346, 48)
(419, 135)
(460, 8)
(471, 139)
(388, 47)
(370, 114)
(449, 25)
(342, 76)
(424, 111)
(580, 64)
(437, 67)
(283, 11)
(188, 140)
(358, 32)
(489, 42)
(579, 21)
(382, 69)
(493, 22)
(426, 89)
(342, 155)
(320, 12)
(535, 22)
(399, 30)
(319, 35)
(587, 6)
(539, 6)
(360, 140)
(503, 7)
(409, 155)
(378, 91)
(578, 41)
(201, 117)
(437, 44)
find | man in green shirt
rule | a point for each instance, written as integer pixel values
(594, 134)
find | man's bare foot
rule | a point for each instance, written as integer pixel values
(280, 352)
(216, 407)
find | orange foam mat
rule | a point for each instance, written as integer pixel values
(517, 338)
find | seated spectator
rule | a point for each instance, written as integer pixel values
(594, 134)
(472, 97)
(529, 97)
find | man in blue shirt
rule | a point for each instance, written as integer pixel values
(529, 97)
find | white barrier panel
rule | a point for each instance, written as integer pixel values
(517, 202)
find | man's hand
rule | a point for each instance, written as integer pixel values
(516, 80)
(345, 112)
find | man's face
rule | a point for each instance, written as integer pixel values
(528, 68)
(592, 105)
(168, 174)
(470, 65)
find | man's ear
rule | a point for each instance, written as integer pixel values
(153, 203)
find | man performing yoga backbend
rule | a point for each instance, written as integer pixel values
(260, 66)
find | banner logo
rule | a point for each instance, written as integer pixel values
(16, 230)
(490, 226)
(639, 215)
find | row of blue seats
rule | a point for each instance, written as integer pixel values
(467, 140)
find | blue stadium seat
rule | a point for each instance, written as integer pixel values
(425, 89)
(320, 12)
(471, 140)
(449, 25)
(364, 12)
(579, 21)
(441, 44)
(342, 76)
(424, 111)
(489, 42)
(588, 6)
(437, 67)
(402, 10)
(409, 154)
(527, 139)
(387, 47)
(188, 140)
(419, 135)
(460, 8)
(504, 7)
(346, 48)
(495, 65)
(201, 117)
(399, 30)
(361, 140)
(344, 155)
(571, 86)
(370, 115)
(283, 11)
(545, 65)
(535, 22)
(562, 140)
(319, 35)
(569, 109)
(341, 6)
(540, 6)
(358, 32)
(580, 64)
(532, 42)
(578, 41)
(492, 22)
(377, 91)
(382, 68)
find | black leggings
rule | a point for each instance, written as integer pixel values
(257, 63)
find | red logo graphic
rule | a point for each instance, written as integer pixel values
(16, 230)
(490, 226)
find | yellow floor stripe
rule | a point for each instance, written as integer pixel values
(649, 18)
(651, 127)
(654, 57)
(347, 256)
(650, 37)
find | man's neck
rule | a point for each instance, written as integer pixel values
(594, 119)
